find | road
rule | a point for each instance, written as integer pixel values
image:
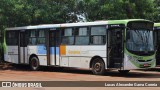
(23, 73)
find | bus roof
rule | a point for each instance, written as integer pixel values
(35, 27)
(75, 24)
(125, 21)
(84, 24)
(156, 24)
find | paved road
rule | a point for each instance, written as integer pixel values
(23, 73)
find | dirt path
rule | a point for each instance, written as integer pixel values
(23, 73)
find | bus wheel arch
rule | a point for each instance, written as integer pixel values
(34, 62)
(97, 65)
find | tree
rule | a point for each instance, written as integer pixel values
(32, 12)
(119, 9)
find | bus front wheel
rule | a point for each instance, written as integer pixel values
(98, 66)
(34, 63)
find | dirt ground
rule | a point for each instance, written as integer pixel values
(22, 73)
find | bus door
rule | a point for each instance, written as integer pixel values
(157, 44)
(54, 47)
(22, 47)
(115, 48)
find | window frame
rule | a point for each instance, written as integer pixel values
(15, 37)
(88, 34)
(63, 35)
(104, 36)
(30, 37)
(44, 37)
(36, 36)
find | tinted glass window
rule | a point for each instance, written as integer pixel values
(12, 38)
(33, 33)
(67, 36)
(41, 37)
(82, 40)
(68, 32)
(100, 30)
(83, 31)
(32, 37)
(32, 41)
(98, 35)
(98, 40)
(82, 37)
(68, 40)
(41, 33)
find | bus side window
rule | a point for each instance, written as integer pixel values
(67, 36)
(12, 38)
(82, 36)
(32, 37)
(98, 35)
(41, 37)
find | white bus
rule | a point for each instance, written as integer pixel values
(101, 45)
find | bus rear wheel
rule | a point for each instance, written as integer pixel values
(34, 64)
(123, 71)
(98, 66)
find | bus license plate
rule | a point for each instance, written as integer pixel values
(146, 65)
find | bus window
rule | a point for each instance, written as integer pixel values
(82, 36)
(32, 37)
(98, 35)
(41, 37)
(12, 38)
(67, 36)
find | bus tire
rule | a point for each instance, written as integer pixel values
(98, 66)
(123, 71)
(34, 64)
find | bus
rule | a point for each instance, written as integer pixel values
(157, 42)
(114, 44)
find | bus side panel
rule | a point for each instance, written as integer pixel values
(40, 52)
(11, 54)
(127, 64)
(80, 56)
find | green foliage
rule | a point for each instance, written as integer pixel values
(120, 9)
(31, 12)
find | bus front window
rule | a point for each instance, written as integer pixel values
(140, 41)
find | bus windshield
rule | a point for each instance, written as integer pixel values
(140, 40)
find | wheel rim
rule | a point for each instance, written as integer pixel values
(97, 67)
